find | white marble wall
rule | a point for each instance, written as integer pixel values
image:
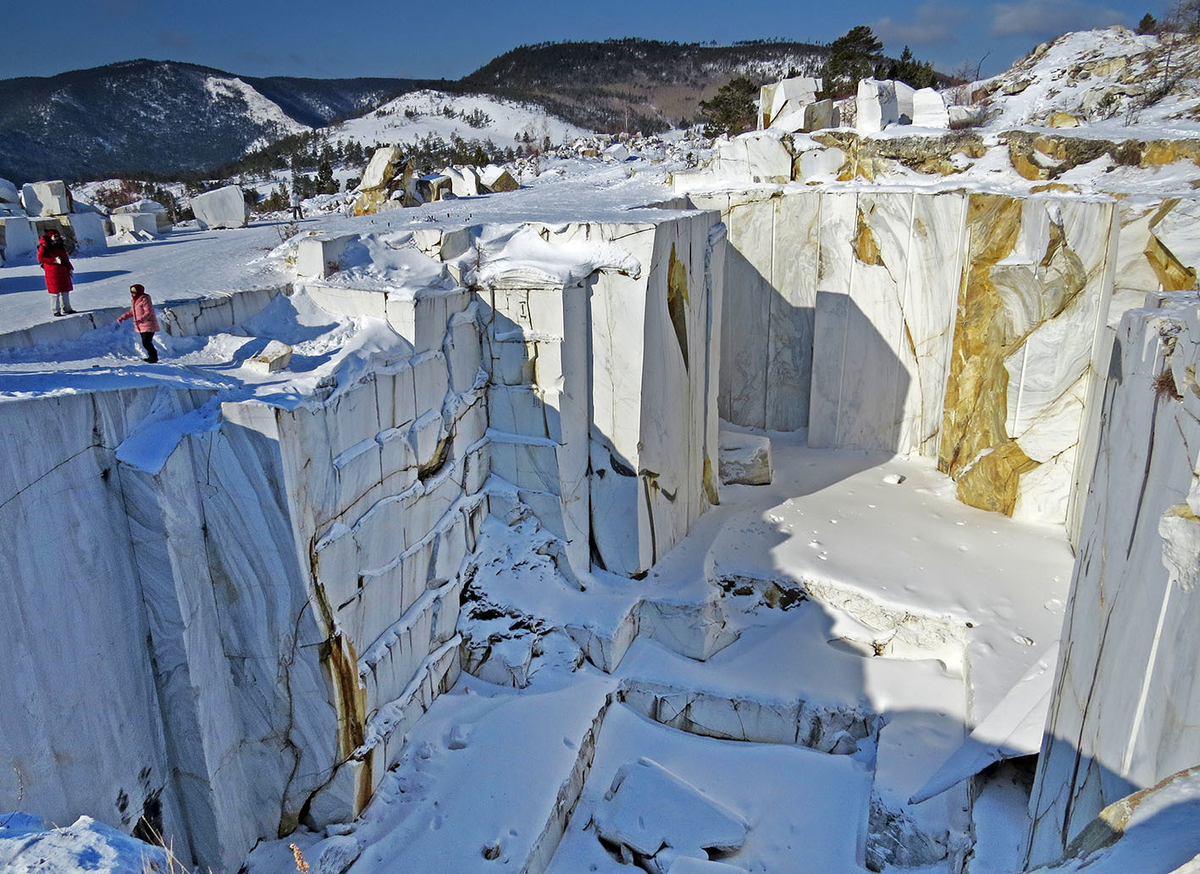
(1126, 705)
(80, 731)
(594, 373)
(890, 271)
(844, 318)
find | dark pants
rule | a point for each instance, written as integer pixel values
(148, 342)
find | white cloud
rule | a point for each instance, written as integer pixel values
(931, 23)
(1044, 18)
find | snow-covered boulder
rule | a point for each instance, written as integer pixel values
(46, 198)
(648, 808)
(222, 208)
(87, 845)
(904, 101)
(464, 181)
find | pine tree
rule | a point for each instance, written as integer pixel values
(732, 110)
(852, 57)
(1148, 24)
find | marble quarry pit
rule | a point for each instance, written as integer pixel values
(547, 474)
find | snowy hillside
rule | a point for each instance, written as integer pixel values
(1112, 79)
(469, 116)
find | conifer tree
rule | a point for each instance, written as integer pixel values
(852, 57)
(732, 110)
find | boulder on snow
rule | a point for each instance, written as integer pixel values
(222, 208)
(275, 357)
(135, 223)
(46, 198)
(389, 180)
(744, 458)
(497, 179)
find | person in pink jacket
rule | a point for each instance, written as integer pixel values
(145, 322)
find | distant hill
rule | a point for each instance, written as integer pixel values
(626, 84)
(172, 120)
(162, 117)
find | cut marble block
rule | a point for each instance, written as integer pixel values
(779, 98)
(321, 256)
(9, 192)
(274, 358)
(904, 101)
(1126, 705)
(819, 115)
(929, 109)
(46, 198)
(753, 157)
(17, 237)
(221, 208)
(464, 181)
(745, 458)
(877, 105)
(497, 179)
(820, 162)
(135, 223)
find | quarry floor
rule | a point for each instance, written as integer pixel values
(959, 604)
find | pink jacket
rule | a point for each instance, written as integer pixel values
(142, 313)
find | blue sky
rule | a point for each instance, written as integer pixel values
(323, 39)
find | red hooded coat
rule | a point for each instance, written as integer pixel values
(142, 313)
(56, 264)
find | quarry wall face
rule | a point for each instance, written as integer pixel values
(1126, 704)
(958, 326)
(244, 621)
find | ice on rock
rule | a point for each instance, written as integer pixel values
(221, 208)
(744, 458)
(648, 808)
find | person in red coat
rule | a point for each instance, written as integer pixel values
(52, 255)
(145, 322)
